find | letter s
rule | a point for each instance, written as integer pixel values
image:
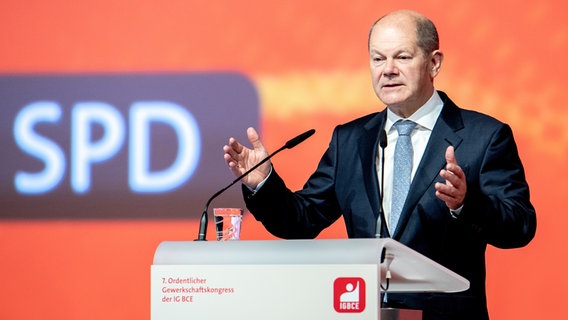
(40, 147)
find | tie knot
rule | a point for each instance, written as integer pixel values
(404, 127)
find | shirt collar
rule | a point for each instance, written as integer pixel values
(426, 116)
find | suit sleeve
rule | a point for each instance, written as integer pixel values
(302, 214)
(500, 208)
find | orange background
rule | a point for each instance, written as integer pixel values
(308, 60)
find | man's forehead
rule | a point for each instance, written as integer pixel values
(396, 27)
(392, 38)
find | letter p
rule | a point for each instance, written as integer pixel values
(84, 151)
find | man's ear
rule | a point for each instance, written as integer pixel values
(436, 58)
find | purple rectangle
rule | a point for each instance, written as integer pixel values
(119, 145)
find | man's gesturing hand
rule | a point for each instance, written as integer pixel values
(240, 159)
(453, 191)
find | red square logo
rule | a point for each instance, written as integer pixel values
(349, 295)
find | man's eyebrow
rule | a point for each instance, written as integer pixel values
(396, 52)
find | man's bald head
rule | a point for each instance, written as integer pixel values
(426, 34)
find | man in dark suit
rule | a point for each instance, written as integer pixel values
(467, 184)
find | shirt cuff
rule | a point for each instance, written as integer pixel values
(255, 190)
(456, 213)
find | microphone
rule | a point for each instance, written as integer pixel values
(381, 228)
(288, 145)
(295, 141)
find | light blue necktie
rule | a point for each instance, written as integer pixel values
(401, 170)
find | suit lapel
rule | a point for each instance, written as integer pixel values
(368, 146)
(443, 135)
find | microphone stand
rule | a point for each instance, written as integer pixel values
(382, 230)
(203, 222)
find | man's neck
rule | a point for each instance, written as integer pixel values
(405, 110)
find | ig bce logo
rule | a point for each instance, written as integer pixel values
(349, 295)
(118, 145)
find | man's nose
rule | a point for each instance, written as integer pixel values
(390, 67)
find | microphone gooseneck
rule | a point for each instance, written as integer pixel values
(203, 222)
(381, 228)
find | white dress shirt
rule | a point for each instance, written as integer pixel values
(425, 118)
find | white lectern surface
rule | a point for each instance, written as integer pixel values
(411, 272)
(282, 279)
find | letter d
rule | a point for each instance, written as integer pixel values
(141, 179)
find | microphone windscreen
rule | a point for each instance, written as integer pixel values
(383, 139)
(297, 140)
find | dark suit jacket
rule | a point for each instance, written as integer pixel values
(497, 208)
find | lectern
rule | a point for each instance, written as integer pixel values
(288, 279)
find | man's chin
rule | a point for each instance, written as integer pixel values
(392, 99)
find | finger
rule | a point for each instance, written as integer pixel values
(451, 178)
(229, 154)
(229, 160)
(452, 164)
(229, 157)
(454, 169)
(235, 145)
(444, 197)
(451, 156)
(254, 139)
(444, 193)
(445, 189)
(233, 149)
